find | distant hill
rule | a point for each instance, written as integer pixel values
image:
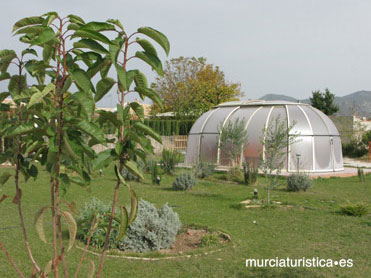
(278, 97)
(358, 103)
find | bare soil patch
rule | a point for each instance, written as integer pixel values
(190, 239)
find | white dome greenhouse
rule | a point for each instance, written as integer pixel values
(317, 146)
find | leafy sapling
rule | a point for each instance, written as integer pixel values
(276, 138)
(232, 139)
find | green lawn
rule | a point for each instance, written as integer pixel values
(316, 231)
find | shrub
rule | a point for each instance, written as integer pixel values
(250, 173)
(202, 170)
(153, 229)
(298, 181)
(235, 174)
(184, 181)
(366, 137)
(169, 160)
(361, 174)
(156, 178)
(209, 240)
(85, 219)
(354, 148)
(149, 165)
(357, 209)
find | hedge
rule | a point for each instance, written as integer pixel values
(162, 127)
(170, 127)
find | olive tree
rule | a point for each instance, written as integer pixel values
(276, 139)
(233, 137)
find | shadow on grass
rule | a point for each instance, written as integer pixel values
(205, 194)
(172, 189)
(279, 273)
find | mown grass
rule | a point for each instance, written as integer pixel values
(313, 228)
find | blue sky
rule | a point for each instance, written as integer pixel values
(287, 47)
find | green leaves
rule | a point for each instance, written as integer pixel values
(89, 34)
(116, 22)
(4, 178)
(96, 67)
(147, 130)
(75, 19)
(124, 223)
(132, 167)
(109, 116)
(120, 177)
(67, 147)
(29, 51)
(47, 52)
(33, 20)
(34, 30)
(147, 46)
(91, 129)
(21, 129)
(134, 206)
(103, 87)
(123, 112)
(87, 103)
(67, 84)
(50, 17)
(45, 36)
(7, 54)
(4, 76)
(140, 80)
(115, 48)
(103, 159)
(82, 80)
(157, 36)
(151, 60)
(147, 92)
(90, 44)
(37, 98)
(138, 109)
(125, 219)
(107, 63)
(3, 96)
(122, 77)
(72, 228)
(97, 26)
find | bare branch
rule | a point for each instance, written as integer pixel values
(11, 260)
(92, 228)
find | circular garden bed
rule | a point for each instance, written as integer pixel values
(191, 241)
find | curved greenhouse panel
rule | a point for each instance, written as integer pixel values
(317, 146)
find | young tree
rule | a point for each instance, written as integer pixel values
(55, 126)
(324, 102)
(130, 135)
(191, 87)
(233, 137)
(276, 139)
(11, 127)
